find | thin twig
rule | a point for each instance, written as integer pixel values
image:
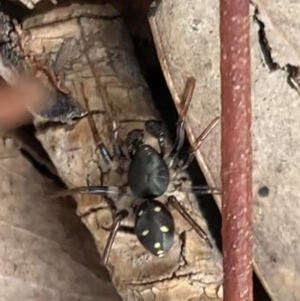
(236, 150)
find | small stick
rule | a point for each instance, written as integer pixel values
(236, 150)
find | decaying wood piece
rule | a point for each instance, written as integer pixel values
(87, 45)
(186, 34)
(45, 251)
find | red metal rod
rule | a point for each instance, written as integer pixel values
(236, 150)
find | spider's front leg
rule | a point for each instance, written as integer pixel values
(188, 158)
(180, 131)
(112, 162)
(156, 129)
(133, 141)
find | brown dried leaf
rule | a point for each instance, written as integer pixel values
(45, 253)
(281, 29)
(186, 34)
(105, 64)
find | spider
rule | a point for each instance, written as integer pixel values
(150, 175)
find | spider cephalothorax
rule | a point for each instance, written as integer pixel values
(152, 173)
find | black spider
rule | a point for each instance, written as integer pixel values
(151, 174)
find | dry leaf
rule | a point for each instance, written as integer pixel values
(45, 252)
(186, 34)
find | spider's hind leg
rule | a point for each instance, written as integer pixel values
(172, 201)
(114, 229)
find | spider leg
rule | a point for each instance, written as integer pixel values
(180, 131)
(98, 190)
(105, 154)
(172, 200)
(123, 229)
(156, 129)
(118, 153)
(201, 189)
(108, 158)
(118, 218)
(187, 160)
(134, 140)
(109, 192)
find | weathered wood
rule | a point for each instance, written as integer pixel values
(186, 34)
(87, 44)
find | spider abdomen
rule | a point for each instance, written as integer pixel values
(148, 174)
(154, 227)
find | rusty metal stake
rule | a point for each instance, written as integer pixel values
(236, 150)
